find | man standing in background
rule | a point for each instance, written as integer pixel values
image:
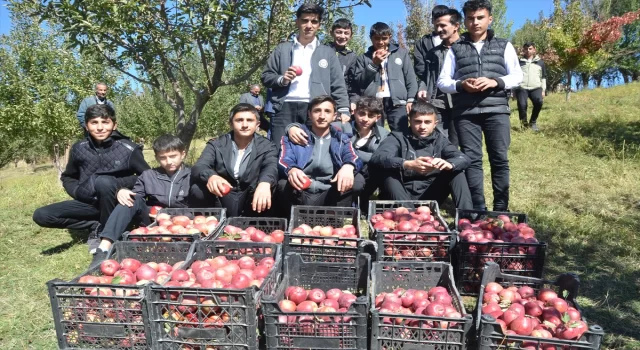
(342, 32)
(100, 98)
(426, 43)
(533, 86)
(254, 98)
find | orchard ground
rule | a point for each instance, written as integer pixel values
(577, 179)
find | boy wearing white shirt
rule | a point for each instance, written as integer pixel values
(477, 71)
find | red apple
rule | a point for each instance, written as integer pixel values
(109, 267)
(297, 69)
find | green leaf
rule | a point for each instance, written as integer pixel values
(565, 294)
(116, 280)
(566, 318)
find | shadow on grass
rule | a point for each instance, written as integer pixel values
(608, 277)
(77, 237)
(42, 168)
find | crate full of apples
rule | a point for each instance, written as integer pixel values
(260, 230)
(180, 224)
(324, 234)
(214, 301)
(105, 306)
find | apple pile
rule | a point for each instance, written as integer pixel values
(251, 234)
(328, 235)
(436, 302)
(498, 230)
(298, 299)
(520, 311)
(175, 225)
(402, 219)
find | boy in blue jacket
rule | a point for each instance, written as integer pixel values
(328, 160)
(165, 186)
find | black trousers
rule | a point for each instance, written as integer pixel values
(523, 95)
(123, 216)
(237, 202)
(371, 184)
(446, 182)
(290, 112)
(77, 215)
(497, 132)
(396, 116)
(288, 196)
(446, 125)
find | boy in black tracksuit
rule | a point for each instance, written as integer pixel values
(422, 164)
(166, 186)
(385, 71)
(101, 164)
(241, 160)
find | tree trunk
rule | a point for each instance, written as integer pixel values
(635, 76)
(585, 80)
(568, 87)
(598, 80)
(186, 131)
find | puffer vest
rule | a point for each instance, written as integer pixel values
(488, 63)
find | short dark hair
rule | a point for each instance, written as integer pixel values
(243, 107)
(439, 11)
(99, 111)
(529, 44)
(309, 7)
(341, 23)
(321, 99)
(370, 104)
(167, 143)
(421, 108)
(454, 14)
(379, 28)
(475, 5)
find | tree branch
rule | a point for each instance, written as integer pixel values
(221, 51)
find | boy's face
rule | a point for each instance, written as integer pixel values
(380, 41)
(341, 36)
(365, 120)
(477, 22)
(444, 28)
(170, 161)
(308, 25)
(322, 115)
(529, 51)
(422, 125)
(100, 128)
(244, 124)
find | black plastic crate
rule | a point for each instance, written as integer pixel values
(267, 225)
(319, 330)
(524, 259)
(219, 213)
(212, 318)
(319, 248)
(117, 318)
(490, 335)
(417, 331)
(409, 245)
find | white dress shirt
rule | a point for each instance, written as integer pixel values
(447, 84)
(299, 87)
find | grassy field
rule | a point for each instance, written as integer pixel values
(578, 180)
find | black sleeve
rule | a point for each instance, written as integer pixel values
(544, 69)
(137, 164)
(451, 154)
(269, 168)
(419, 57)
(203, 169)
(70, 176)
(388, 155)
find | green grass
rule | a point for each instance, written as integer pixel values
(578, 180)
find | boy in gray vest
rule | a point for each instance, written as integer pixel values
(477, 71)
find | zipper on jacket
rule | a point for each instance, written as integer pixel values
(175, 176)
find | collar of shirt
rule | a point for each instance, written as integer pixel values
(312, 45)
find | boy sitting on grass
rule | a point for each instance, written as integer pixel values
(166, 186)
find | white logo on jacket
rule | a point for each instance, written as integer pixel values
(323, 63)
(398, 61)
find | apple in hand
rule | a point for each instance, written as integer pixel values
(298, 70)
(307, 183)
(225, 189)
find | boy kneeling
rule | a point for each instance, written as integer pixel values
(166, 186)
(325, 170)
(422, 164)
(238, 170)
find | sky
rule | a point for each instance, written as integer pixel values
(388, 11)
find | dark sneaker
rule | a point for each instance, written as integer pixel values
(534, 127)
(98, 258)
(94, 239)
(524, 124)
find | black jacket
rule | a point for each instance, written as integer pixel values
(116, 156)
(159, 189)
(216, 160)
(434, 60)
(423, 46)
(365, 76)
(398, 147)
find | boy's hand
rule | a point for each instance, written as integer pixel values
(352, 108)
(298, 136)
(485, 83)
(409, 104)
(215, 184)
(126, 197)
(419, 165)
(289, 75)
(422, 95)
(345, 118)
(441, 164)
(297, 178)
(262, 197)
(379, 56)
(469, 85)
(344, 178)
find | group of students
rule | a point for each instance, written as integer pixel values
(328, 146)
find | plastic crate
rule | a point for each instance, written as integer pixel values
(412, 246)
(219, 213)
(299, 330)
(319, 248)
(490, 332)
(524, 259)
(267, 225)
(216, 318)
(117, 321)
(417, 331)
